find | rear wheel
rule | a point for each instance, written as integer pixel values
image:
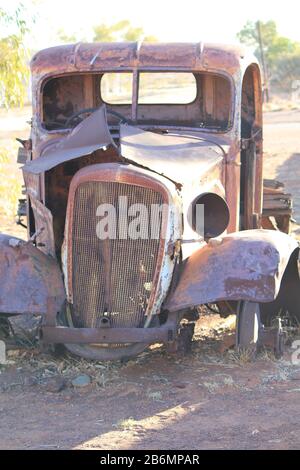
(252, 333)
(248, 326)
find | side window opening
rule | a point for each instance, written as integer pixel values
(62, 97)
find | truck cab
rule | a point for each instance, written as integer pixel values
(144, 189)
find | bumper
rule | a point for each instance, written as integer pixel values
(68, 335)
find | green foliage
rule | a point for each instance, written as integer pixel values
(66, 38)
(13, 59)
(103, 33)
(133, 34)
(274, 45)
(70, 38)
(282, 55)
(287, 71)
(120, 31)
(4, 157)
(249, 33)
(10, 187)
(150, 38)
(13, 71)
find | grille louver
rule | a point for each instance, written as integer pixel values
(110, 277)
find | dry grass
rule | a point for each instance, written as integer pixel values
(12, 124)
(155, 395)
(278, 103)
(42, 366)
(241, 356)
(10, 184)
(126, 424)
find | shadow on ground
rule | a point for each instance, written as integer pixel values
(206, 400)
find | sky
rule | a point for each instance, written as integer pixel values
(168, 20)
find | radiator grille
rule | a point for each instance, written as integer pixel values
(111, 277)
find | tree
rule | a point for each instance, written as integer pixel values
(65, 38)
(133, 34)
(14, 72)
(287, 72)
(281, 54)
(274, 45)
(120, 31)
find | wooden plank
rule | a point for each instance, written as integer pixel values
(273, 191)
(273, 184)
(276, 212)
(281, 202)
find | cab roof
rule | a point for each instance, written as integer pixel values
(97, 57)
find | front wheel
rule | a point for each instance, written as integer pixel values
(99, 352)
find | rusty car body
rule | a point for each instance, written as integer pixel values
(111, 298)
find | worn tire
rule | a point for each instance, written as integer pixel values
(185, 338)
(101, 352)
(248, 325)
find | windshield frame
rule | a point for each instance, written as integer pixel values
(134, 105)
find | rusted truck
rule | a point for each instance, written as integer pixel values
(119, 130)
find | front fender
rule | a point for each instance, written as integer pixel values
(246, 265)
(28, 278)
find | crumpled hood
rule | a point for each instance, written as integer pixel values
(90, 134)
(181, 159)
(177, 157)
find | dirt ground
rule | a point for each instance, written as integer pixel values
(210, 399)
(206, 400)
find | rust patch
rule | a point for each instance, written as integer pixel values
(27, 278)
(246, 265)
